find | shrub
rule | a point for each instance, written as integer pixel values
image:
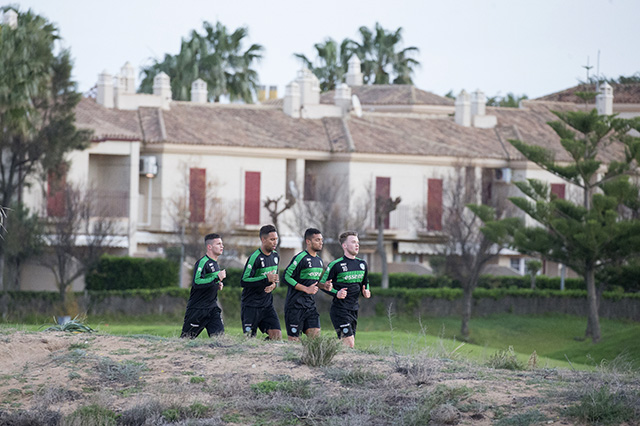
(121, 273)
(285, 385)
(357, 377)
(319, 351)
(601, 405)
(148, 412)
(91, 415)
(505, 359)
(531, 417)
(37, 417)
(419, 369)
(125, 373)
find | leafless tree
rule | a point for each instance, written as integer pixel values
(271, 204)
(78, 237)
(217, 216)
(330, 207)
(384, 207)
(467, 249)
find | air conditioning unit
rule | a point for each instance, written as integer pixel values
(502, 175)
(148, 166)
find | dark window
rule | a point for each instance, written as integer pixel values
(197, 194)
(434, 205)
(56, 185)
(558, 190)
(252, 198)
(310, 187)
(383, 192)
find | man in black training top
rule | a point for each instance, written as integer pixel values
(348, 275)
(302, 276)
(259, 279)
(202, 308)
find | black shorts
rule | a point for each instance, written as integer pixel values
(196, 320)
(262, 318)
(344, 321)
(301, 319)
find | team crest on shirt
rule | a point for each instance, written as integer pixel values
(362, 266)
(276, 260)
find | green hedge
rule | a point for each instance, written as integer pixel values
(233, 294)
(543, 282)
(409, 280)
(123, 273)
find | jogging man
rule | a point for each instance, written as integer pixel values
(348, 275)
(302, 276)
(202, 307)
(259, 279)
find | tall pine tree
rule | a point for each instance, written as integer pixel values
(592, 233)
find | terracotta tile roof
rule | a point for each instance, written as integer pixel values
(391, 94)
(622, 94)
(235, 125)
(268, 127)
(108, 123)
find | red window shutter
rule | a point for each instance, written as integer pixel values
(383, 192)
(56, 184)
(197, 194)
(252, 198)
(558, 190)
(434, 205)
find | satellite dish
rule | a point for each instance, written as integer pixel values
(357, 106)
(293, 189)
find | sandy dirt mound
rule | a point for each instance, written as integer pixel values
(232, 380)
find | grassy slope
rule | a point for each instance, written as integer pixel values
(552, 337)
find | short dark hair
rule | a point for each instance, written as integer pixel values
(210, 237)
(266, 230)
(310, 233)
(344, 235)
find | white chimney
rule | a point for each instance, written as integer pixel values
(463, 109)
(354, 75)
(10, 18)
(162, 88)
(199, 91)
(104, 96)
(604, 100)
(342, 98)
(128, 76)
(309, 87)
(291, 105)
(478, 103)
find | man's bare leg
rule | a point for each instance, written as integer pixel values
(312, 332)
(349, 341)
(274, 334)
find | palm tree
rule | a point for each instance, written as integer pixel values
(332, 62)
(379, 55)
(217, 57)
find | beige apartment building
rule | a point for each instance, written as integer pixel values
(154, 162)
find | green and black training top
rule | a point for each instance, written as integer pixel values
(306, 270)
(349, 273)
(254, 279)
(204, 287)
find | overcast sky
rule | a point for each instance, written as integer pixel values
(499, 46)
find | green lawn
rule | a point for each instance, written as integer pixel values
(554, 337)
